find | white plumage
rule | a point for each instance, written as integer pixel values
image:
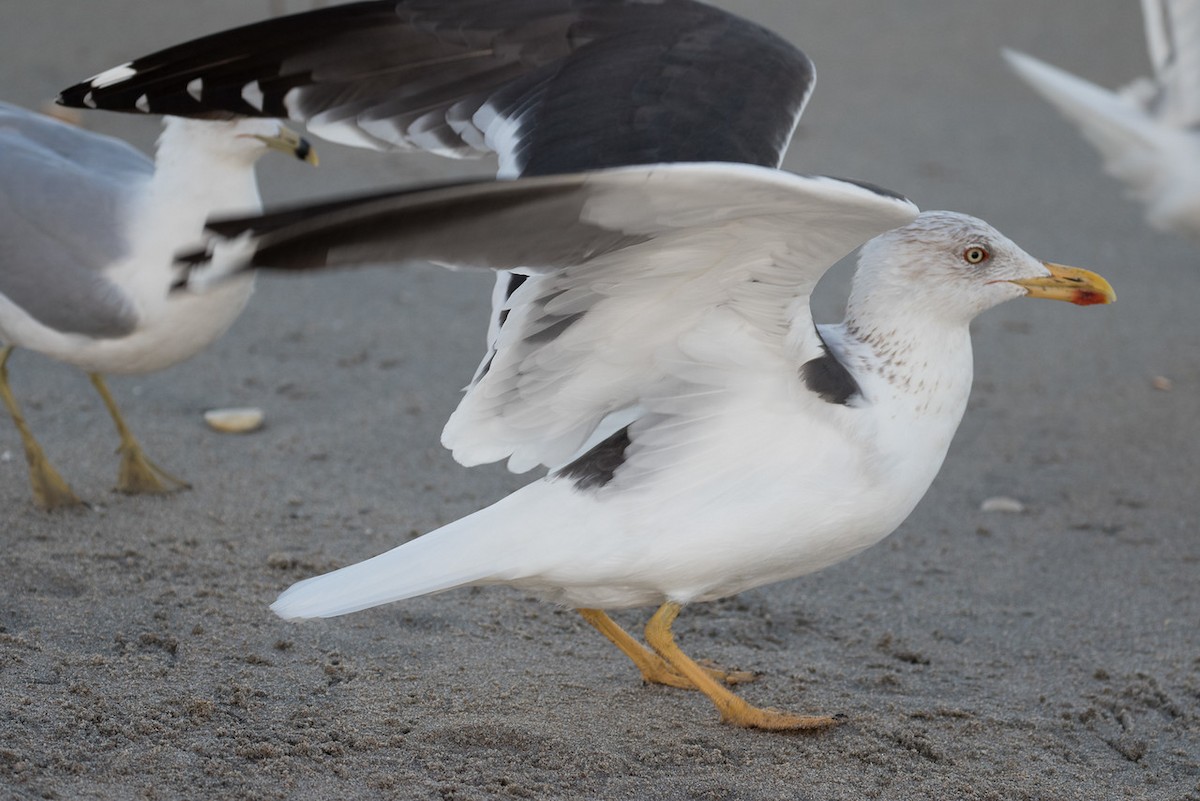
(652, 345)
(703, 436)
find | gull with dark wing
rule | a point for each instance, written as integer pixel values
(702, 435)
(1148, 132)
(88, 230)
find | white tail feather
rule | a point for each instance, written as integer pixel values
(1114, 125)
(1158, 162)
(452, 556)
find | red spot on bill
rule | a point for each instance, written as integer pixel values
(1088, 298)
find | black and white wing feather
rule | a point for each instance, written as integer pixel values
(66, 203)
(550, 85)
(650, 288)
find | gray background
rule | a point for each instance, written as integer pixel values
(1047, 655)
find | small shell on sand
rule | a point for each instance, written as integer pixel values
(235, 421)
(1001, 503)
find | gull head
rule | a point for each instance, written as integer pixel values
(953, 266)
(241, 139)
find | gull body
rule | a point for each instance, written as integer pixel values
(651, 343)
(88, 234)
(702, 435)
(779, 484)
(770, 483)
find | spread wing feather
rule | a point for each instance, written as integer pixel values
(624, 267)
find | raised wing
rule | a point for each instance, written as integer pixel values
(552, 86)
(625, 264)
(63, 192)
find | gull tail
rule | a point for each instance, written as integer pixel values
(473, 550)
(1137, 149)
(1157, 161)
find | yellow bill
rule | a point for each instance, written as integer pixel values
(1070, 284)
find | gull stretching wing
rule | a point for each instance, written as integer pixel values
(704, 437)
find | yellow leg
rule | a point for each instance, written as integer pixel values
(137, 473)
(733, 709)
(50, 491)
(654, 669)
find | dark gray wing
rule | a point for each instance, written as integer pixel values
(64, 194)
(550, 85)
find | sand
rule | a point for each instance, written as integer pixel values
(1048, 654)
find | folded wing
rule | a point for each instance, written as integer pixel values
(65, 195)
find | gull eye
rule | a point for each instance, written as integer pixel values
(976, 255)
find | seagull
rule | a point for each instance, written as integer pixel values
(702, 435)
(88, 230)
(1148, 132)
(646, 369)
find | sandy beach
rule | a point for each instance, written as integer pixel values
(1048, 654)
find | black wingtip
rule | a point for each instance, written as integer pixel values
(192, 259)
(162, 82)
(74, 96)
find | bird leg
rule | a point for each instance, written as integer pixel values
(733, 709)
(654, 668)
(50, 491)
(137, 473)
